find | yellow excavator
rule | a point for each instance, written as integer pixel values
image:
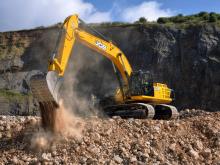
(137, 96)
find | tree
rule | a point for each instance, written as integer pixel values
(142, 20)
(203, 13)
(206, 17)
(213, 13)
(212, 17)
(162, 20)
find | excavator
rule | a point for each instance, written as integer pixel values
(136, 97)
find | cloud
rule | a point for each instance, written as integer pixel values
(22, 14)
(150, 10)
(25, 14)
(98, 17)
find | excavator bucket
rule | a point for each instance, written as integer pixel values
(46, 89)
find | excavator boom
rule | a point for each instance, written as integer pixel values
(73, 33)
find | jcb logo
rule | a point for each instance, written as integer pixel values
(100, 45)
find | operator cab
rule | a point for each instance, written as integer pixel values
(141, 83)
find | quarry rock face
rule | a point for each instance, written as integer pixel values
(187, 59)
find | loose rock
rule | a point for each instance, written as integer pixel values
(192, 138)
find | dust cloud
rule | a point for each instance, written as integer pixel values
(67, 125)
(89, 77)
(78, 99)
(41, 141)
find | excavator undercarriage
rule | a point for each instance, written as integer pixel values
(142, 111)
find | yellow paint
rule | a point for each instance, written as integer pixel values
(73, 33)
(161, 95)
(105, 48)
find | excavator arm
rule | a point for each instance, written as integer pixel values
(69, 35)
(73, 33)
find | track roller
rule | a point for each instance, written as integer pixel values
(133, 110)
(165, 112)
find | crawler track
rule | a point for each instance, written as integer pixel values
(134, 110)
(165, 112)
(142, 111)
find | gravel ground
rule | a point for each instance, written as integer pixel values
(192, 139)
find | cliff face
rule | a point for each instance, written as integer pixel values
(188, 60)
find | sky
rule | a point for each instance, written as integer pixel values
(26, 14)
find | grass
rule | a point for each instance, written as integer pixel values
(12, 95)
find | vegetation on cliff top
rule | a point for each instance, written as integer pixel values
(178, 20)
(202, 17)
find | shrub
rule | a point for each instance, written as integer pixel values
(117, 23)
(179, 19)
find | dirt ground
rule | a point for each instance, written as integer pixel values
(194, 138)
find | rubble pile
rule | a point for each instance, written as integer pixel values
(192, 139)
